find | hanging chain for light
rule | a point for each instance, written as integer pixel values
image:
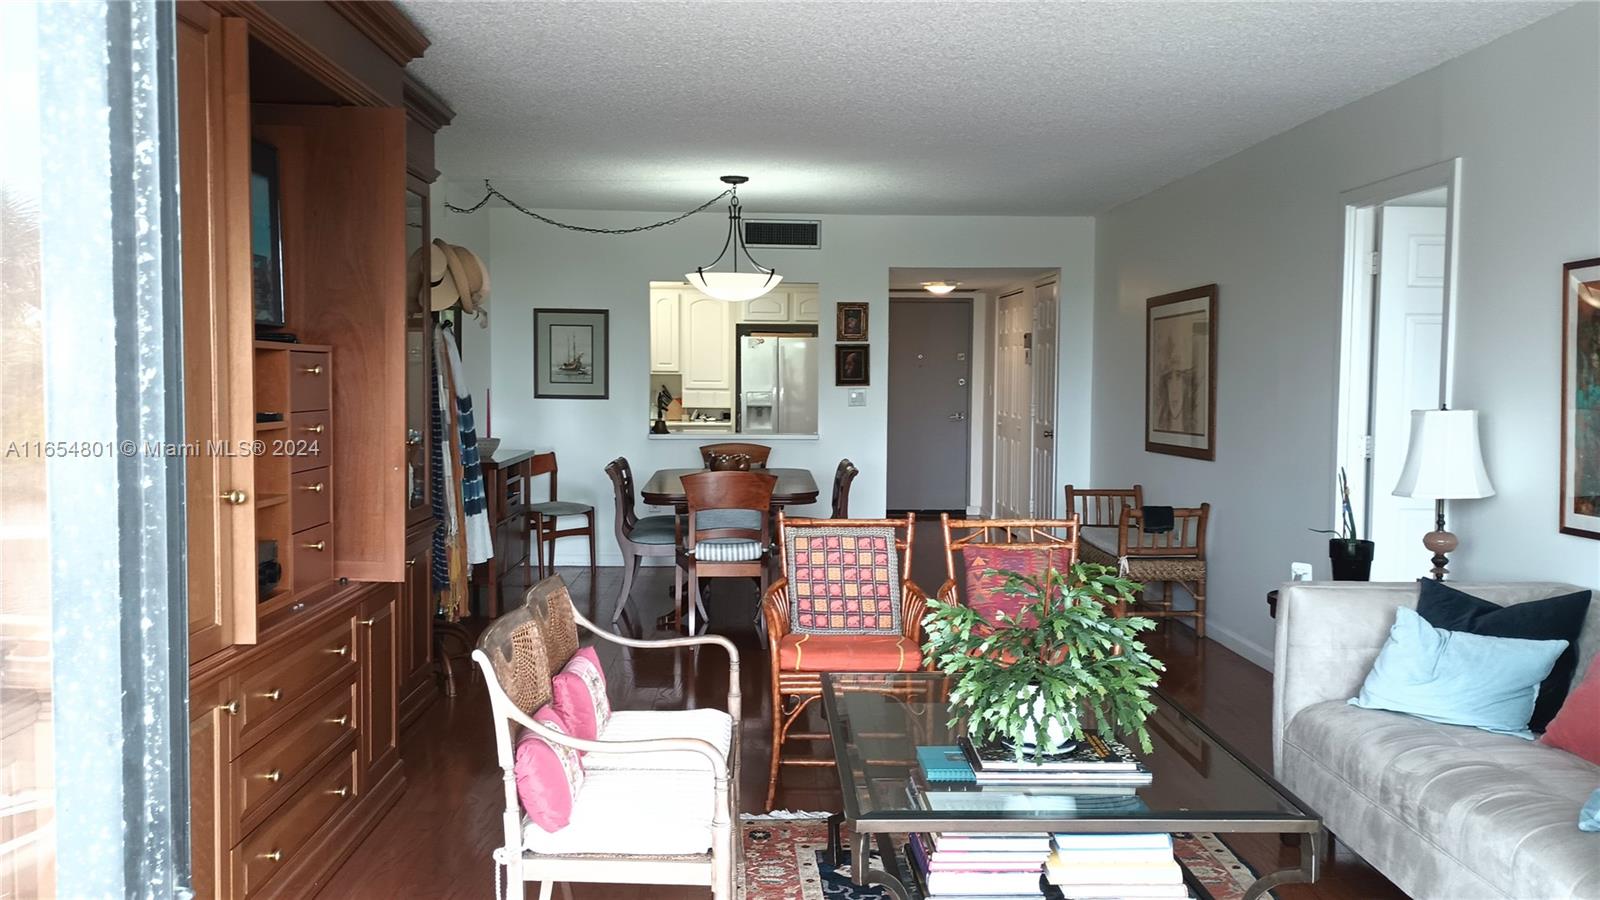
(490, 192)
(735, 230)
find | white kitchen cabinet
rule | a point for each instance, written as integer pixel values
(666, 328)
(772, 306)
(706, 358)
(804, 305)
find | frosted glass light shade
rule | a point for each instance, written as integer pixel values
(734, 287)
(1445, 460)
(938, 287)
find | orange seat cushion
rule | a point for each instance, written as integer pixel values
(848, 653)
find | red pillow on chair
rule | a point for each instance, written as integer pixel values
(1576, 728)
(984, 563)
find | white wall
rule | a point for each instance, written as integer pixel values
(1523, 113)
(536, 265)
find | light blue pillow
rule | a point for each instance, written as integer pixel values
(1589, 816)
(1457, 678)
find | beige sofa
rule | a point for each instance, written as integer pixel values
(1444, 811)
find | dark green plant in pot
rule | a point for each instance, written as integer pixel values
(1046, 675)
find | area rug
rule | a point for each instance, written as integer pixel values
(785, 858)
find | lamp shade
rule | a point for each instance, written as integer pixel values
(1445, 460)
(734, 287)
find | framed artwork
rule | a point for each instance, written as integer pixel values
(852, 322)
(1580, 398)
(852, 365)
(1180, 384)
(571, 354)
(266, 241)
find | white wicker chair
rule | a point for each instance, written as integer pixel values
(639, 817)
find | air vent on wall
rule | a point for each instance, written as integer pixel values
(792, 234)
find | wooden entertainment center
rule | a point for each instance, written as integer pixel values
(297, 693)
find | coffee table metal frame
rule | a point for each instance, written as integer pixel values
(879, 826)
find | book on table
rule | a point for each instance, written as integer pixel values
(1093, 866)
(943, 764)
(1094, 753)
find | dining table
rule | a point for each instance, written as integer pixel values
(795, 487)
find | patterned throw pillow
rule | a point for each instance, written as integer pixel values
(843, 580)
(580, 696)
(548, 775)
(985, 562)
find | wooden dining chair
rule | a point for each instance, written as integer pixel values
(638, 537)
(842, 479)
(543, 527)
(1171, 557)
(1099, 513)
(726, 534)
(757, 453)
(977, 550)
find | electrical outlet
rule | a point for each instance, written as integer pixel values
(1300, 571)
(858, 398)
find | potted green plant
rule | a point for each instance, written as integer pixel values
(1350, 556)
(1063, 664)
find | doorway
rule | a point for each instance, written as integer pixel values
(930, 401)
(1395, 351)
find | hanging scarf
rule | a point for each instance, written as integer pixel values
(449, 570)
(474, 506)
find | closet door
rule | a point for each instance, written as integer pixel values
(218, 326)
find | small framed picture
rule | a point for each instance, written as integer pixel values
(852, 322)
(571, 354)
(1580, 398)
(852, 365)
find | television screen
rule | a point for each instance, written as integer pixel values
(266, 246)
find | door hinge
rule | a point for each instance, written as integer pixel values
(1366, 447)
(1375, 264)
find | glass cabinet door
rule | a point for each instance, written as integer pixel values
(418, 354)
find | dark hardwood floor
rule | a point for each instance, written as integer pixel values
(436, 842)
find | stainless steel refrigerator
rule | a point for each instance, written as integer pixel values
(777, 384)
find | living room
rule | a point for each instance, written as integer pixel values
(418, 598)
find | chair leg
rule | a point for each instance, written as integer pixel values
(777, 743)
(546, 889)
(630, 568)
(593, 561)
(1200, 608)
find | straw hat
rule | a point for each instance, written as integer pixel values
(456, 274)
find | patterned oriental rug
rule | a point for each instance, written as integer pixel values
(786, 859)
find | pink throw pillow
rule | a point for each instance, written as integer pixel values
(548, 775)
(579, 695)
(1576, 728)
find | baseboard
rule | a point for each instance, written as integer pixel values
(1238, 643)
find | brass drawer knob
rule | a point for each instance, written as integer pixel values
(274, 775)
(342, 651)
(341, 721)
(316, 545)
(231, 707)
(235, 497)
(274, 694)
(312, 370)
(315, 429)
(315, 488)
(369, 622)
(273, 855)
(340, 791)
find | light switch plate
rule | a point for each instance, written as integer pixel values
(858, 398)
(1300, 571)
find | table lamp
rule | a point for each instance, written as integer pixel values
(1444, 462)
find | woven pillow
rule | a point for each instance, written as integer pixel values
(548, 775)
(560, 629)
(843, 580)
(985, 562)
(580, 696)
(525, 674)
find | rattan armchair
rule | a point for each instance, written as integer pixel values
(1099, 514)
(815, 626)
(1171, 557)
(645, 802)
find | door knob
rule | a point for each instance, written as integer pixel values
(957, 417)
(236, 497)
(1049, 434)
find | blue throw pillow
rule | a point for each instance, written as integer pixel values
(1589, 816)
(1458, 678)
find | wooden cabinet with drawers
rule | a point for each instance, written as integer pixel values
(295, 687)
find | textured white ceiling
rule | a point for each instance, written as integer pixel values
(931, 108)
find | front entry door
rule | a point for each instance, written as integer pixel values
(930, 349)
(1042, 373)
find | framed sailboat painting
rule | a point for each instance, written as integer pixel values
(571, 354)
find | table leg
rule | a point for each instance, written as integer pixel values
(1310, 867)
(864, 876)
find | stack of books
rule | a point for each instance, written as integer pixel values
(974, 866)
(1095, 866)
(1096, 762)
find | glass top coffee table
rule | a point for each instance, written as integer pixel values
(877, 722)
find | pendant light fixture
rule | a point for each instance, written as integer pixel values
(734, 286)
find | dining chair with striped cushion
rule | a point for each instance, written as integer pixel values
(726, 534)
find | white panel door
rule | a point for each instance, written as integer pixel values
(1405, 377)
(1013, 431)
(707, 361)
(665, 331)
(1042, 365)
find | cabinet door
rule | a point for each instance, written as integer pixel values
(769, 307)
(417, 607)
(218, 325)
(805, 305)
(419, 356)
(211, 824)
(665, 332)
(380, 721)
(707, 343)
